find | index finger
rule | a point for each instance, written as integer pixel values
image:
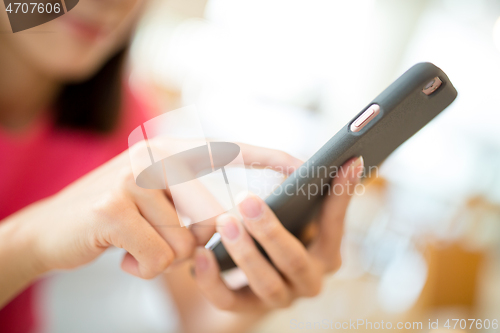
(250, 156)
(266, 157)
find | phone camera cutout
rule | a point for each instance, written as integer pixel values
(432, 86)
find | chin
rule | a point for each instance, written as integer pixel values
(72, 72)
(75, 66)
(61, 58)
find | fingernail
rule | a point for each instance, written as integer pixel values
(251, 207)
(226, 225)
(201, 261)
(356, 170)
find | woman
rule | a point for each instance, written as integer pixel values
(64, 112)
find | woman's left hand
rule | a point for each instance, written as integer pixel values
(298, 270)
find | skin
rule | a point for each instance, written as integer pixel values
(106, 208)
(299, 269)
(37, 62)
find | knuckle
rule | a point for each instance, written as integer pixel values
(314, 289)
(122, 177)
(109, 205)
(125, 174)
(223, 306)
(139, 193)
(337, 264)
(334, 264)
(245, 254)
(286, 303)
(185, 246)
(298, 265)
(159, 265)
(126, 182)
(226, 304)
(149, 274)
(265, 228)
(162, 261)
(273, 292)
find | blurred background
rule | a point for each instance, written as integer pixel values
(423, 242)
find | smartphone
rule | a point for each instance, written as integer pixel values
(399, 112)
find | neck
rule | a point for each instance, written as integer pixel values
(25, 93)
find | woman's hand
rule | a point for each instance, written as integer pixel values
(102, 209)
(298, 270)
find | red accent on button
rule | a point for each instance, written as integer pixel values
(365, 118)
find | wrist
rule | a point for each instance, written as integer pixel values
(18, 247)
(18, 264)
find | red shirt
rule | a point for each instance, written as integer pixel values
(40, 162)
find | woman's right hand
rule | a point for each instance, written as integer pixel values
(106, 208)
(102, 209)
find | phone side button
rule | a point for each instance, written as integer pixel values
(367, 116)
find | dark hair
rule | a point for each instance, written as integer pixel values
(95, 103)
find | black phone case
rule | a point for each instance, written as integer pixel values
(404, 110)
